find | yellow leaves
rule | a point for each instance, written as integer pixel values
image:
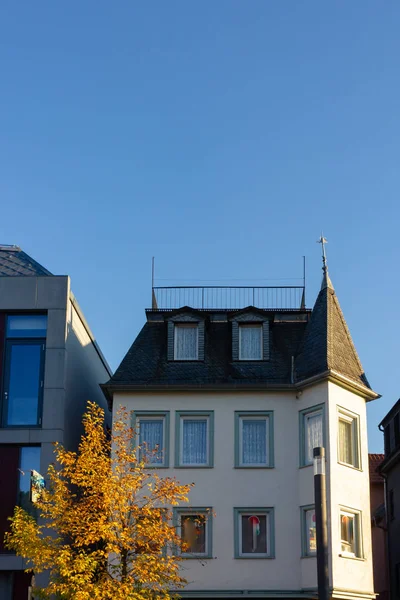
(107, 527)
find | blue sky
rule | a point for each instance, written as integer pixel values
(220, 137)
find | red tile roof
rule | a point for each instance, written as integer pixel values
(374, 462)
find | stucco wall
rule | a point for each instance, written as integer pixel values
(349, 487)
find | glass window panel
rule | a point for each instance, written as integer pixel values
(23, 326)
(311, 532)
(250, 342)
(24, 383)
(194, 441)
(346, 441)
(347, 522)
(254, 441)
(29, 461)
(151, 440)
(193, 534)
(186, 342)
(254, 534)
(313, 437)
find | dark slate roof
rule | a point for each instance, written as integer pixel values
(14, 262)
(327, 343)
(303, 344)
(146, 362)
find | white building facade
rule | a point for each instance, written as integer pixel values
(235, 401)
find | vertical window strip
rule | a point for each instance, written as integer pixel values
(186, 341)
(250, 342)
(151, 440)
(314, 437)
(254, 441)
(194, 443)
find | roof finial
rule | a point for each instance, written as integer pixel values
(326, 282)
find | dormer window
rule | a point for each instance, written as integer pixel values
(250, 341)
(186, 342)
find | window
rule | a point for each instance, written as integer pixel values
(308, 531)
(250, 342)
(348, 439)
(254, 532)
(254, 439)
(24, 370)
(194, 527)
(311, 433)
(350, 534)
(194, 439)
(29, 460)
(152, 437)
(148, 534)
(186, 341)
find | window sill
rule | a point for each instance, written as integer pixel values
(351, 556)
(305, 466)
(349, 466)
(196, 557)
(156, 467)
(249, 557)
(194, 466)
(309, 555)
(249, 467)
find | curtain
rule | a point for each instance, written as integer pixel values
(250, 342)
(185, 342)
(194, 443)
(345, 442)
(150, 439)
(311, 531)
(254, 441)
(314, 434)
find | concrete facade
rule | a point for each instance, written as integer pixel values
(74, 368)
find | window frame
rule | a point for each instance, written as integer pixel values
(32, 508)
(305, 549)
(269, 512)
(357, 530)
(186, 325)
(354, 419)
(205, 511)
(156, 415)
(252, 325)
(303, 415)
(195, 414)
(9, 343)
(268, 415)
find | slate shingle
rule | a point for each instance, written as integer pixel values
(14, 262)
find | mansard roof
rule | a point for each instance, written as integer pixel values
(304, 346)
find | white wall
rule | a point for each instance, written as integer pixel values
(286, 488)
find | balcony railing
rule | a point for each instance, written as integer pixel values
(228, 297)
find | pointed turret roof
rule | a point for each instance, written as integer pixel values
(327, 344)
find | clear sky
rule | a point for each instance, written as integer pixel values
(220, 137)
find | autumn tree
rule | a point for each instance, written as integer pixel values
(105, 524)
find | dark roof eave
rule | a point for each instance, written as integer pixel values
(389, 462)
(389, 415)
(329, 375)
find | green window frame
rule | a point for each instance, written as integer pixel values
(153, 414)
(307, 551)
(303, 422)
(240, 417)
(269, 513)
(204, 512)
(180, 417)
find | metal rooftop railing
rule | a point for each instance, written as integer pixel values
(228, 297)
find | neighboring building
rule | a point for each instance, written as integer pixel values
(237, 398)
(390, 469)
(50, 366)
(379, 538)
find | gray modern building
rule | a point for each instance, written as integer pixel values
(50, 366)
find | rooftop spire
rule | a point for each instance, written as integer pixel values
(326, 282)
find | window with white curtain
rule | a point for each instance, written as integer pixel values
(186, 341)
(250, 341)
(254, 441)
(194, 441)
(151, 439)
(348, 451)
(313, 434)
